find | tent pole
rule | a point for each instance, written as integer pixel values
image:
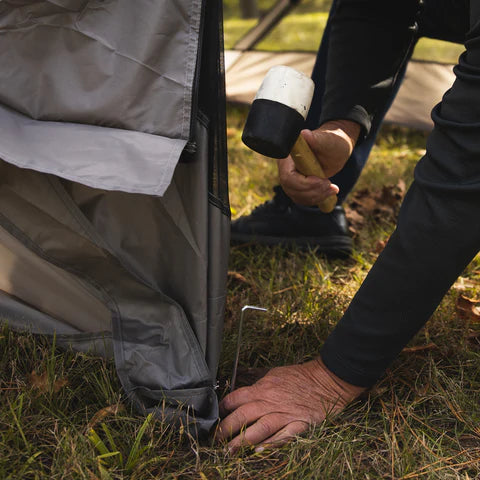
(265, 24)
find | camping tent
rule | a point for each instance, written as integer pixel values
(114, 215)
(423, 85)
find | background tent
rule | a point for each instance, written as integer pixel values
(423, 86)
(114, 215)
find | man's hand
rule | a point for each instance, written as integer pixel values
(332, 144)
(282, 404)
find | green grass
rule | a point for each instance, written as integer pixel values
(70, 420)
(231, 8)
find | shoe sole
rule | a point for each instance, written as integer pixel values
(333, 245)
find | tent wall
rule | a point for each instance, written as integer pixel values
(116, 76)
(139, 275)
(422, 87)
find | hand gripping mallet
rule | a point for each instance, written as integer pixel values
(276, 118)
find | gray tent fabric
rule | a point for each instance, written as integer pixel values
(422, 88)
(125, 66)
(114, 215)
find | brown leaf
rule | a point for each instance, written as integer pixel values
(364, 201)
(468, 308)
(377, 205)
(40, 382)
(105, 412)
(389, 196)
(355, 219)
(237, 276)
(420, 348)
(59, 384)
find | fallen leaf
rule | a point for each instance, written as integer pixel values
(355, 219)
(389, 196)
(40, 382)
(365, 201)
(468, 308)
(237, 276)
(105, 412)
(377, 205)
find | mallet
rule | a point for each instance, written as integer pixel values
(277, 116)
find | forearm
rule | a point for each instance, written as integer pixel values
(434, 241)
(370, 41)
(437, 235)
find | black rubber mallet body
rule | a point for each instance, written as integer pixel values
(277, 116)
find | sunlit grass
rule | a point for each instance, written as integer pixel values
(303, 32)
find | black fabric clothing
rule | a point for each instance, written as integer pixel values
(371, 42)
(438, 232)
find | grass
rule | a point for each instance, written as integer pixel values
(62, 414)
(302, 31)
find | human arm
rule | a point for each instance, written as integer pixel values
(437, 235)
(364, 81)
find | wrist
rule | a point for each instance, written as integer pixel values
(345, 390)
(348, 129)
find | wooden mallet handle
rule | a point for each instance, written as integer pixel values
(307, 164)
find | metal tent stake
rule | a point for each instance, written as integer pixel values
(239, 342)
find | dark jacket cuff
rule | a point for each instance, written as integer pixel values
(344, 370)
(356, 114)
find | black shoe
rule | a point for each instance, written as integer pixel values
(282, 222)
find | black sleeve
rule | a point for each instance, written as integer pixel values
(437, 235)
(370, 41)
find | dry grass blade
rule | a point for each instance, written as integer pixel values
(420, 473)
(420, 348)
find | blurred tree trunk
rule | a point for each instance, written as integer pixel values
(249, 8)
